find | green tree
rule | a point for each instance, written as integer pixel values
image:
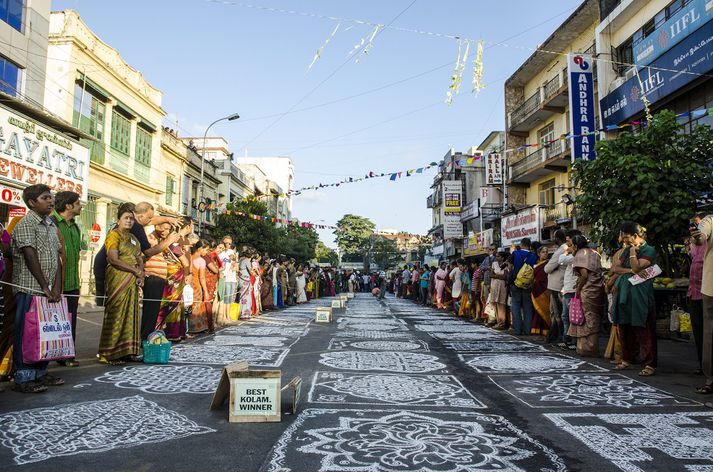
(353, 233)
(325, 254)
(263, 235)
(652, 177)
(385, 252)
(297, 242)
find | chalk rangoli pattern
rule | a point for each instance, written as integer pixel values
(400, 441)
(449, 328)
(577, 390)
(392, 389)
(168, 379)
(493, 346)
(234, 340)
(494, 335)
(383, 360)
(222, 355)
(90, 427)
(374, 327)
(627, 440)
(372, 334)
(248, 330)
(513, 363)
(379, 345)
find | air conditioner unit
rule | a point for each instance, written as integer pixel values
(630, 72)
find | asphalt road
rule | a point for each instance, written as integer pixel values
(387, 386)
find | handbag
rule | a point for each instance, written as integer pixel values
(576, 311)
(489, 309)
(47, 334)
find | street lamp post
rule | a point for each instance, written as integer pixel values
(232, 117)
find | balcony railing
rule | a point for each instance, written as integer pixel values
(555, 84)
(524, 110)
(523, 166)
(556, 212)
(556, 148)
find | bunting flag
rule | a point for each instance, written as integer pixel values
(274, 220)
(454, 77)
(478, 70)
(318, 54)
(364, 45)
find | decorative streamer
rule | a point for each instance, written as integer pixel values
(319, 52)
(369, 43)
(478, 70)
(644, 98)
(454, 77)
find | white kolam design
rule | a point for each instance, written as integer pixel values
(404, 441)
(393, 389)
(410, 362)
(586, 390)
(414, 345)
(235, 340)
(493, 346)
(475, 336)
(629, 440)
(91, 427)
(222, 355)
(165, 379)
(512, 363)
(373, 334)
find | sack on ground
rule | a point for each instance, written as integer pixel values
(576, 312)
(47, 334)
(234, 311)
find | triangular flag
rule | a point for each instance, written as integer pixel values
(393, 177)
(419, 170)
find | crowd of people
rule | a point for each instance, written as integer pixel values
(565, 295)
(152, 273)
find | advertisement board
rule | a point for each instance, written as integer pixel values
(581, 105)
(452, 202)
(494, 165)
(522, 224)
(477, 244)
(33, 154)
(682, 64)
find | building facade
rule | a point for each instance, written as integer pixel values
(537, 110)
(93, 88)
(446, 204)
(38, 146)
(655, 38)
(281, 171)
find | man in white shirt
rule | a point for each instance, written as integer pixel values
(568, 286)
(555, 280)
(405, 279)
(365, 279)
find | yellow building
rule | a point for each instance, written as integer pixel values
(96, 90)
(537, 110)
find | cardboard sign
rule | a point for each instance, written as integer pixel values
(324, 315)
(336, 304)
(255, 396)
(222, 391)
(296, 386)
(350, 295)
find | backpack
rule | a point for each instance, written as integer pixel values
(525, 276)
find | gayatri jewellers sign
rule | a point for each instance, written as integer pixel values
(32, 154)
(682, 64)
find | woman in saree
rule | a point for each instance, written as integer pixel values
(499, 289)
(120, 338)
(301, 284)
(613, 349)
(541, 319)
(212, 273)
(198, 321)
(464, 304)
(245, 288)
(634, 305)
(9, 306)
(256, 281)
(171, 314)
(441, 276)
(587, 265)
(447, 300)
(266, 286)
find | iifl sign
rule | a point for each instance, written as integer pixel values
(581, 105)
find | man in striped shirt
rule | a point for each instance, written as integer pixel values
(67, 207)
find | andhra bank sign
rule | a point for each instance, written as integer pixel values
(32, 154)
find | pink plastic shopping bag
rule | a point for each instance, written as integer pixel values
(47, 332)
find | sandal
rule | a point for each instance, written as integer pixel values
(30, 387)
(705, 390)
(49, 380)
(623, 366)
(647, 371)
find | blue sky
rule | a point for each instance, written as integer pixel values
(212, 59)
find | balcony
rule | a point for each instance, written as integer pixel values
(555, 92)
(556, 214)
(553, 157)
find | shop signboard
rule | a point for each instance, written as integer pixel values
(33, 154)
(581, 105)
(10, 196)
(684, 22)
(452, 201)
(478, 243)
(16, 211)
(522, 224)
(494, 169)
(682, 64)
(470, 211)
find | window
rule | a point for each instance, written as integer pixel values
(120, 133)
(624, 57)
(89, 117)
(9, 76)
(170, 185)
(11, 12)
(143, 147)
(547, 193)
(547, 133)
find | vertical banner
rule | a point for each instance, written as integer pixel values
(581, 105)
(494, 169)
(452, 203)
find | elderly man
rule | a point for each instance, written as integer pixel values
(705, 226)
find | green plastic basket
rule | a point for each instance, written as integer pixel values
(157, 353)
